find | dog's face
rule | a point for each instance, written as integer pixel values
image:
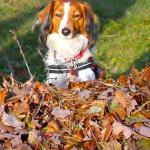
(69, 18)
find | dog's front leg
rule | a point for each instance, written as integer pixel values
(86, 74)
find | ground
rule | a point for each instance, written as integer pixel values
(124, 38)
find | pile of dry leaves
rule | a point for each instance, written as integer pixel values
(109, 115)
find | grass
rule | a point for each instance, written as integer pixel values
(124, 36)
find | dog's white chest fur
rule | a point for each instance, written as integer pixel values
(60, 49)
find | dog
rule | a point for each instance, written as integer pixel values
(69, 29)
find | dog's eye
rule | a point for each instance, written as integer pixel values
(58, 14)
(76, 16)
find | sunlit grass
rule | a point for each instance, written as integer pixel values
(124, 34)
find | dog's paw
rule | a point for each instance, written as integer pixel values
(86, 74)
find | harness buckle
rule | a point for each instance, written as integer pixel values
(72, 66)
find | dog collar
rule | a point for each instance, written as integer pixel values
(79, 55)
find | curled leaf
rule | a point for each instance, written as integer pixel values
(11, 120)
(145, 131)
(60, 113)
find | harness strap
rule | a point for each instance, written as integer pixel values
(59, 69)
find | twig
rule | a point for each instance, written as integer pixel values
(40, 53)
(140, 108)
(39, 107)
(21, 51)
(107, 84)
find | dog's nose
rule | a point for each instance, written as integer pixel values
(66, 31)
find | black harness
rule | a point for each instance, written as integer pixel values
(71, 68)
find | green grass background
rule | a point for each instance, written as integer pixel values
(124, 38)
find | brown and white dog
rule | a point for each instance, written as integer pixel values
(69, 30)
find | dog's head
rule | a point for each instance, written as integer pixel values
(69, 18)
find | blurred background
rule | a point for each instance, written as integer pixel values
(124, 39)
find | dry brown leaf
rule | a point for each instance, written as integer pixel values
(34, 138)
(121, 112)
(61, 113)
(22, 147)
(2, 96)
(110, 110)
(145, 131)
(53, 127)
(122, 98)
(84, 94)
(137, 77)
(22, 106)
(21, 91)
(4, 128)
(1, 110)
(123, 80)
(120, 128)
(78, 136)
(68, 146)
(146, 74)
(89, 145)
(11, 120)
(112, 145)
(55, 138)
(97, 133)
(108, 132)
(131, 107)
(16, 141)
(88, 137)
(41, 87)
(7, 145)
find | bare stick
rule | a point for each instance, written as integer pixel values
(21, 51)
(43, 96)
(40, 53)
(141, 107)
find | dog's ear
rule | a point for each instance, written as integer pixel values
(45, 21)
(91, 24)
